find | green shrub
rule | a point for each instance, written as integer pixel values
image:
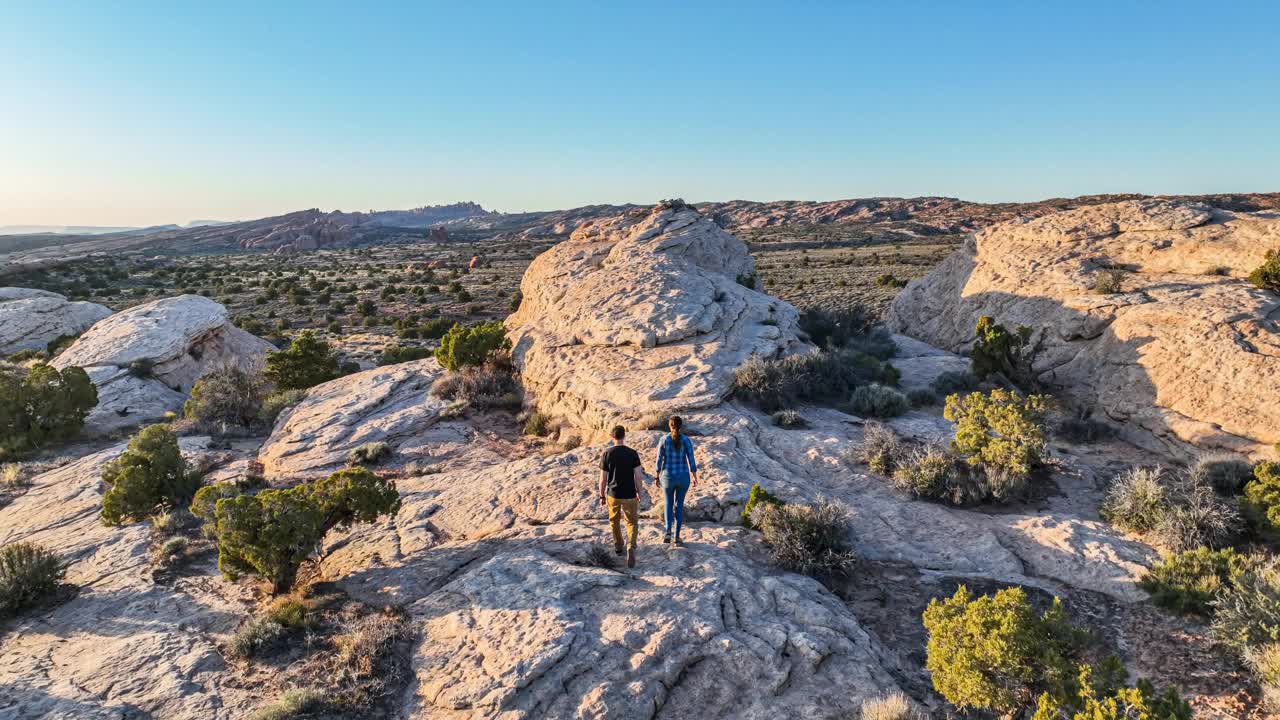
(878, 401)
(1102, 698)
(226, 397)
(788, 419)
(168, 520)
(1001, 431)
(998, 352)
(435, 328)
(932, 472)
(776, 384)
(42, 405)
(28, 354)
(60, 343)
(463, 346)
(149, 475)
(1189, 581)
(1267, 275)
(1197, 517)
(1181, 513)
(1247, 613)
(256, 637)
(996, 653)
(290, 612)
(922, 397)
(1109, 281)
(205, 500)
(810, 539)
(308, 362)
(396, 354)
(1224, 472)
(881, 449)
(954, 381)
(759, 496)
(537, 424)
(890, 281)
(1136, 500)
(29, 575)
(600, 556)
(1261, 501)
(832, 329)
(876, 342)
(174, 547)
(492, 384)
(370, 453)
(273, 531)
(278, 402)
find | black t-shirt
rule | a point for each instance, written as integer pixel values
(620, 462)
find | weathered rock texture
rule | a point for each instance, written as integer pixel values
(125, 645)
(1187, 356)
(144, 360)
(489, 552)
(642, 315)
(30, 319)
(391, 405)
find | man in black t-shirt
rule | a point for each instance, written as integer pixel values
(621, 483)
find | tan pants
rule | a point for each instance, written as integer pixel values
(619, 509)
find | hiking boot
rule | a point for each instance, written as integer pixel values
(617, 549)
(679, 542)
(631, 558)
(666, 539)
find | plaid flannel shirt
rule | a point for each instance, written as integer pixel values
(676, 461)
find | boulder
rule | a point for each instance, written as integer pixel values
(144, 360)
(390, 404)
(641, 315)
(1185, 358)
(30, 319)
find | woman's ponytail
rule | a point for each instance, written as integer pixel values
(675, 423)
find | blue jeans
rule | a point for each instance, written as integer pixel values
(674, 507)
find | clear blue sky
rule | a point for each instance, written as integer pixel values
(138, 113)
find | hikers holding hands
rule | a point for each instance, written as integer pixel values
(622, 485)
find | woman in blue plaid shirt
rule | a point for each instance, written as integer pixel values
(677, 472)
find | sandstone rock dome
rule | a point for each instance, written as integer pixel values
(637, 315)
(1185, 357)
(30, 319)
(144, 360)
(486, 555)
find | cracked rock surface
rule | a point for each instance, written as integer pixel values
(30, 319)
(124, 643)
(634, 316)
(1177, 360)
(489, 555)
(176, 340)
(391, 404)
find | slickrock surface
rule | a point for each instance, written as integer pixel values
(488, 555)
(31, 319)
(630, 317)
(391, 404)
(144, 360)
(124, 643)
(1188, 354)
